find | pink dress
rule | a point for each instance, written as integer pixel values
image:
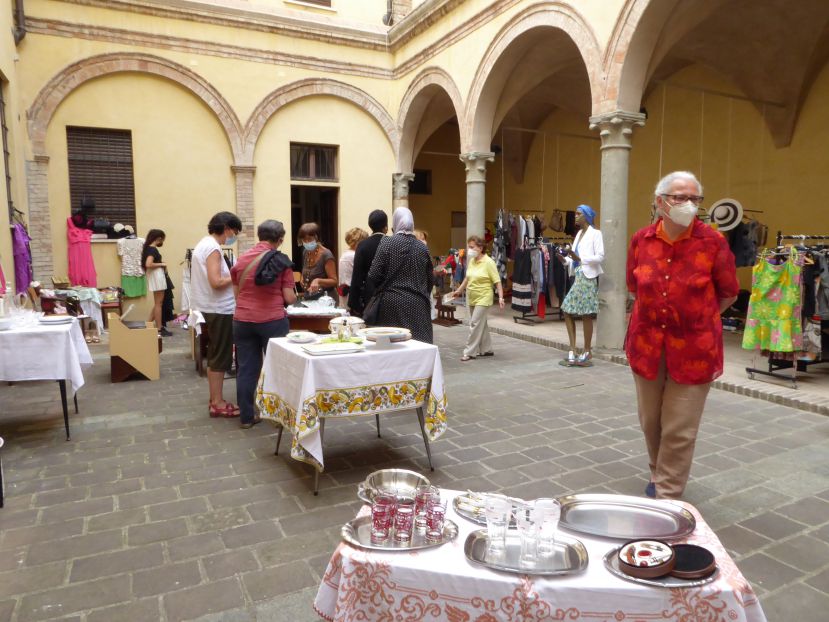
(81, 267)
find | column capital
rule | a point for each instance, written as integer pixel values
(616, 128)
(400, 185)
(244, 170)
(475, 163)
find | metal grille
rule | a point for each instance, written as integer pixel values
(100, 168)
(7, 168)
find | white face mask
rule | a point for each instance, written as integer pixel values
(471, 253)
(682, 214)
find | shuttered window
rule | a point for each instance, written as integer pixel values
(100, 168)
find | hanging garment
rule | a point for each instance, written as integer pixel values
(513, 236)
(822, 294)
(744, 244)
(522, 282)
(81, 266)
(2, 280)
(570, 227)
(167, 311)
(537, 259)
(133, 281)
(22, 258)
(773, 322)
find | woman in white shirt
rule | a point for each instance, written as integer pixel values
(584, 260)
(346, 268)
(212, 294)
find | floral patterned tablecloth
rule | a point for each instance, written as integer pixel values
(296, 389)
(440, 584)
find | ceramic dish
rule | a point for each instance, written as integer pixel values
(302, 336)
(646, 559)
(357, 533)
(611, 562)
(569, 555)
(394, 334)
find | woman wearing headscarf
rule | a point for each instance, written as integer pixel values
(402, 271)
(584, 261)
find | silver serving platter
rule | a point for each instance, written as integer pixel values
(569, 555)
(357, 533)
(399, 482)
(625, 517)
(468, 510)
(611, 562)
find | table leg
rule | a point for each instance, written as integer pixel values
(62, 385)
(316, 471)
(1, 483)
(75, 399)
(377, 419)
(422, 420)
(278, 440)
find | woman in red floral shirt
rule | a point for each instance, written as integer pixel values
(682, 274)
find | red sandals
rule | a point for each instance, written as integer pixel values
(228, 411)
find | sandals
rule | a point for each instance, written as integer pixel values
(465, 358)
(249, 425)
(228, 411)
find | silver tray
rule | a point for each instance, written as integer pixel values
(625, 517)
(569, 555)
(357, 533)
(611, 562)
(468, 511)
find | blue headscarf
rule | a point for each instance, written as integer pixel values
(588, 213)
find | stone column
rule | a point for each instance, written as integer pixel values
(616, 130)
(400, 189)
(475, 162)
(40, 220)
(244, 205)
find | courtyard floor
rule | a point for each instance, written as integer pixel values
(154, 511)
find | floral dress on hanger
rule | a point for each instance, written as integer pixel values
(773, 322)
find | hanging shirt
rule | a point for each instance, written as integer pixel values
(129, 250)
(22, 258)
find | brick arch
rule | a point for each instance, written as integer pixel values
(478, 118)
(413, 107)
(71, 77)
(311, 87)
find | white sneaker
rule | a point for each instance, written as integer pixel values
(584, 358)
(571, 358)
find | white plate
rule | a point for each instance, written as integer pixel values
(302, 337)
(325, 349)
(56, 319)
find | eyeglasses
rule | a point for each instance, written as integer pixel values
(682, 198)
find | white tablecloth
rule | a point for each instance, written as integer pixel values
(297, 388)
(440, 584)
(44, 353)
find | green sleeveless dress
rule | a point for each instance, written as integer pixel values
(773, 322)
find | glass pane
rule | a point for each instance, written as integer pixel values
(300, 161)
(325, 160)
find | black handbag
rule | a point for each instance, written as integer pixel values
(371, 311)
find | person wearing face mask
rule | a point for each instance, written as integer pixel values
(682, 274)
(481, 276)
(211, 293)
(156, 272)
(584, 261)
(319, 267)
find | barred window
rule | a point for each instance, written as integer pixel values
(100, 168)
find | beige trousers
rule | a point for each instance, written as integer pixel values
(669, 414)
(479, 340)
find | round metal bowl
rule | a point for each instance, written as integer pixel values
(398, 482)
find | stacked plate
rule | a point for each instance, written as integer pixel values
(392, 333)
(52, 320)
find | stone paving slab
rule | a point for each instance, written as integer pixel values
(154, 511)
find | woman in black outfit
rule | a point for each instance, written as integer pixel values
(156, 272)
(405, 262)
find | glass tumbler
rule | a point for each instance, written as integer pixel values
(403, 523)
(424, 495)
(526, 519)
(498, 510)
(549, 513)
(435, 517)
(382, 512)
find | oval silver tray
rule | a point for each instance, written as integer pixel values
(611, 562)
(569, 555)
(625, 517)
(469, 511)
(357, 533)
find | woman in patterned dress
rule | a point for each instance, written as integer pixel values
(584, 260)
(403, 268)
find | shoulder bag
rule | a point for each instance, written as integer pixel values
(254, 262)
(371, 311)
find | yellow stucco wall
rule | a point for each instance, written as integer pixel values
(181, 164)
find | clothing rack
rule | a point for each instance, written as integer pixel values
(797, 364)
(555, 313)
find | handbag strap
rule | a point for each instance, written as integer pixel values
(390, 277)
(249, 267)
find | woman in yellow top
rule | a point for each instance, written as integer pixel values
(481, 275)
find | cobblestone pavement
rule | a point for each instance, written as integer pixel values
(154, 511)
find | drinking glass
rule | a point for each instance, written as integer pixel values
(424, 495)
(498, 510)
(403, 522)
(382, 512)
(435, 517)
(526, 519)
(548, 512)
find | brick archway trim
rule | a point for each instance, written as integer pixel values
(546, 14)
(413, 106)
(71, 77)
(311, 87)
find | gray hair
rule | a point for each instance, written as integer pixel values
(664, 185)
(270, 231)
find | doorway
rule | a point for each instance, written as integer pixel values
(314, 204)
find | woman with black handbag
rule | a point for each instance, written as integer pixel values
(402, 276)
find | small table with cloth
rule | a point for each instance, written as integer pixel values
(440, 584)
(46, 353)
(299, 391)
